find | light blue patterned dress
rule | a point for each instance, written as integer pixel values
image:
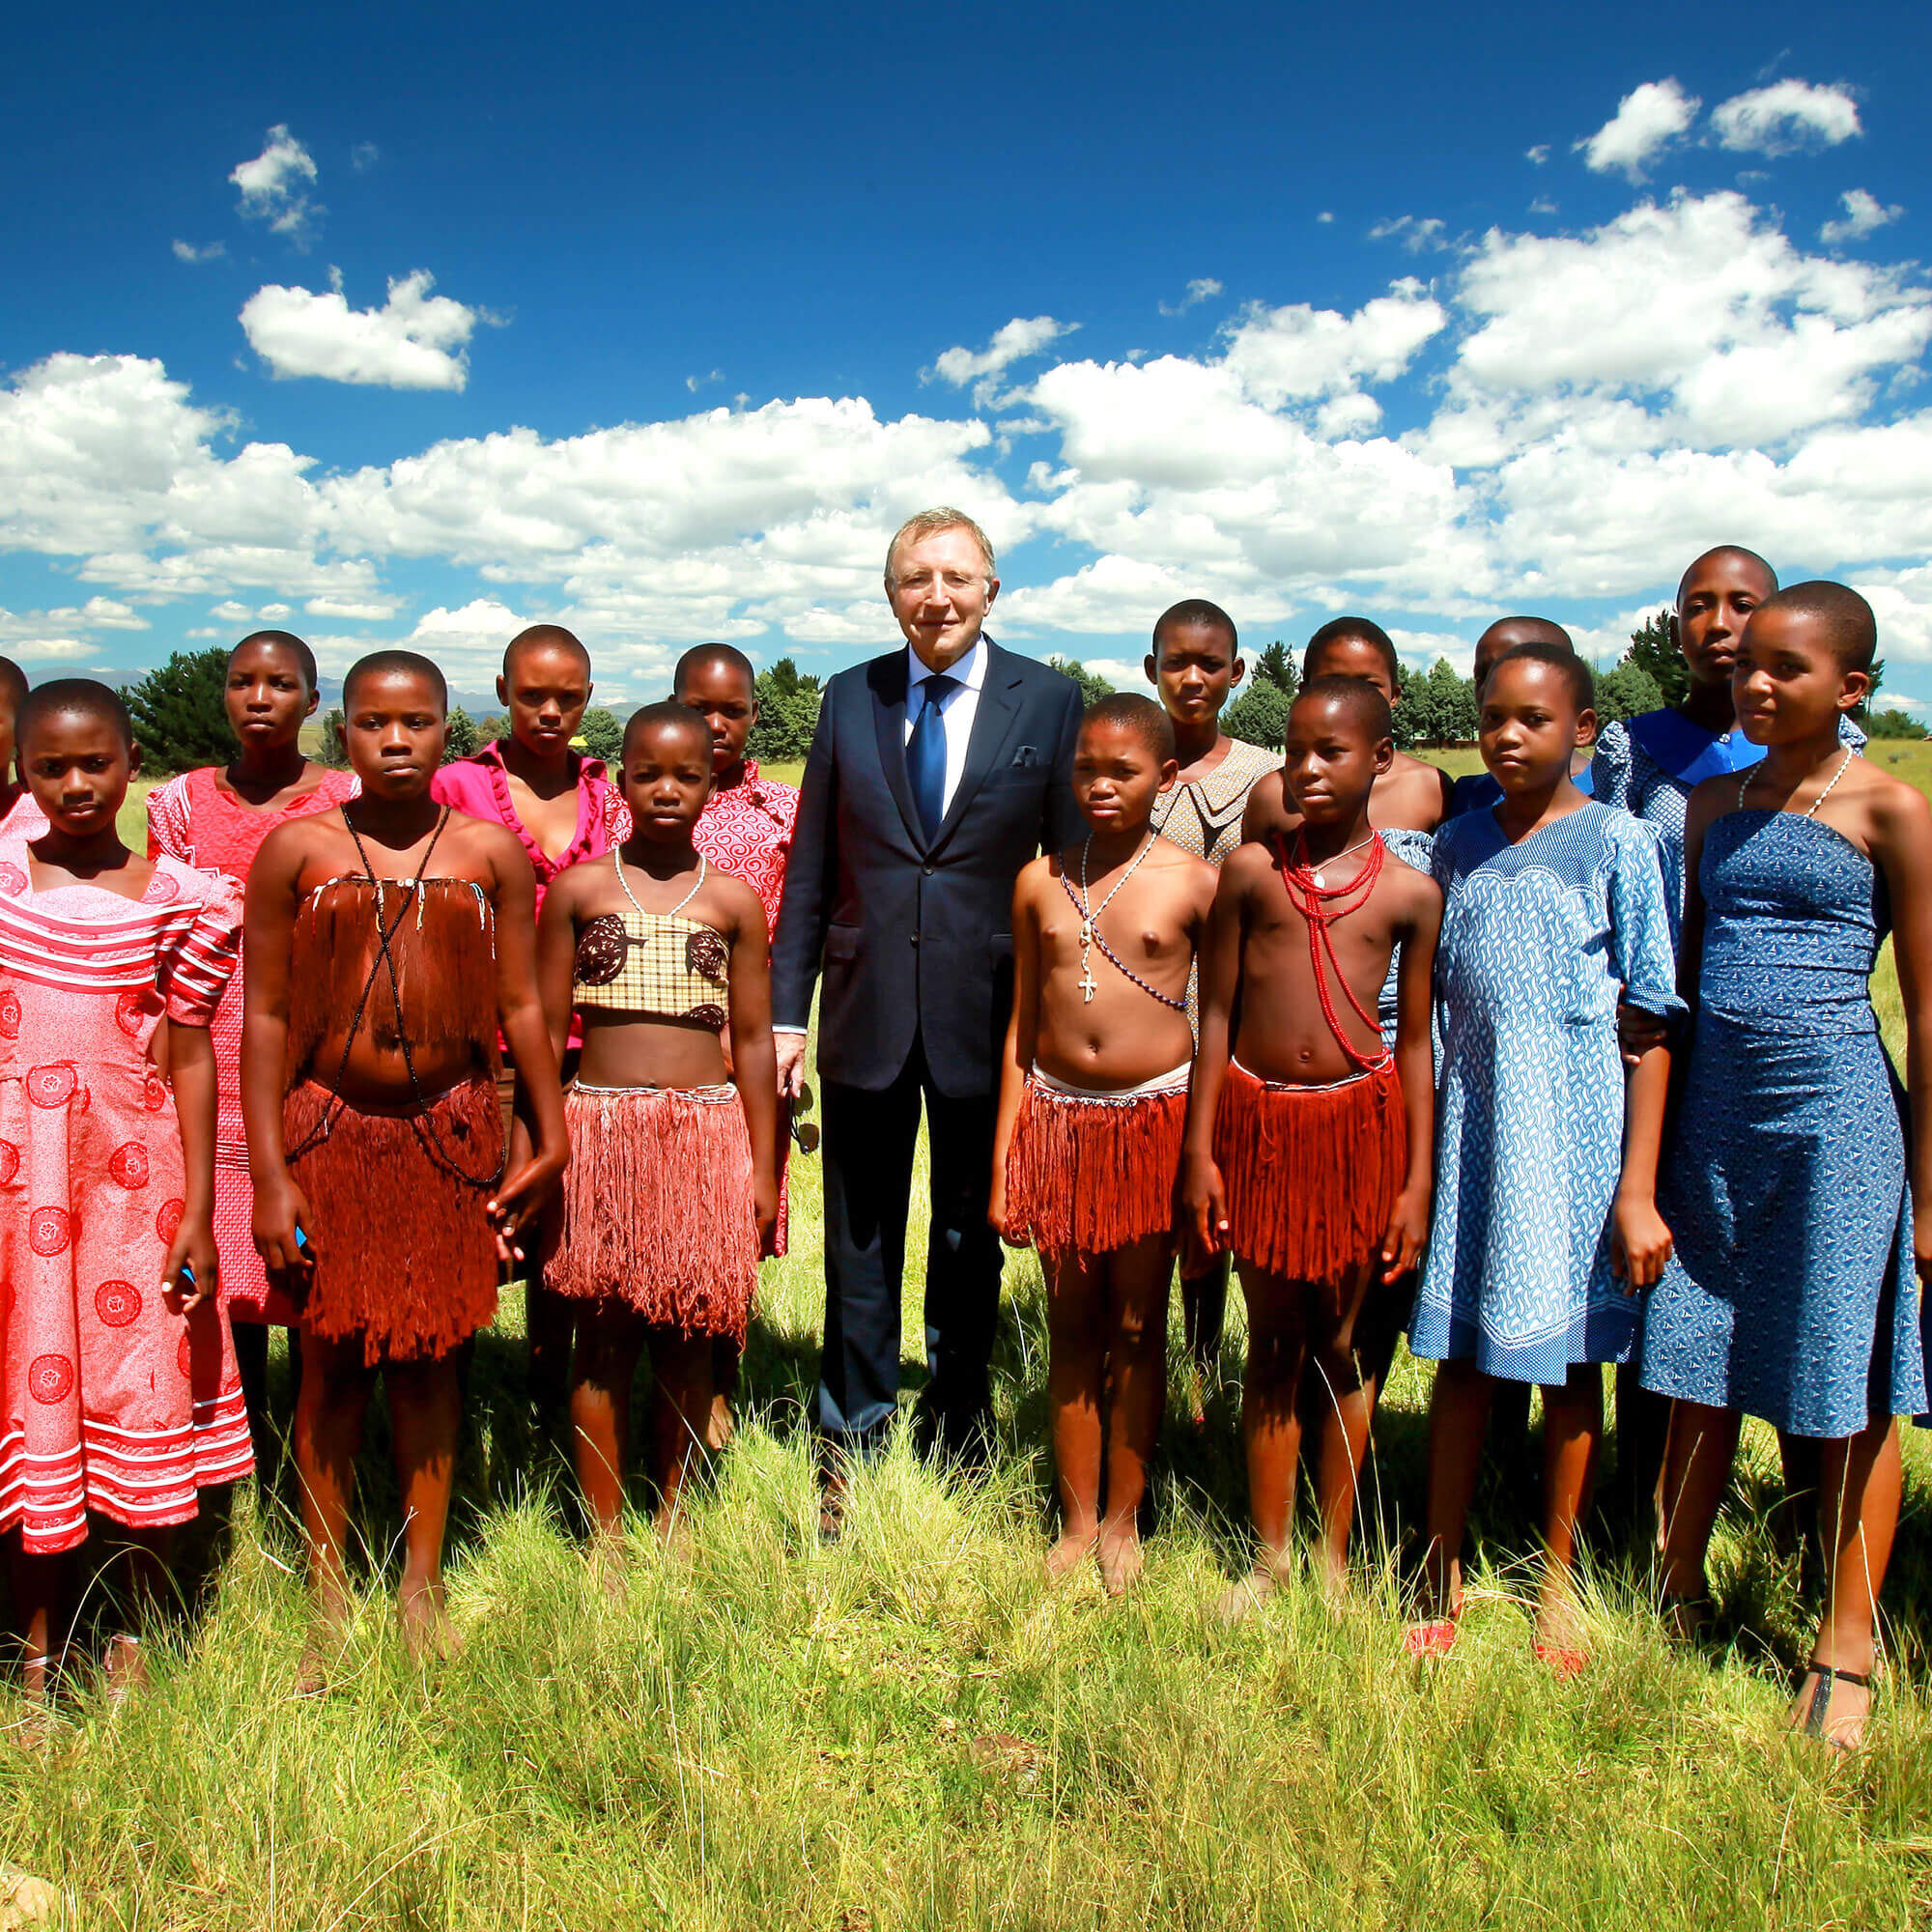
(1791, 1293)
(1538, 940)
(1418, 850)
(1652, 763)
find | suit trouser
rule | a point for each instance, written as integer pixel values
(868, 1150)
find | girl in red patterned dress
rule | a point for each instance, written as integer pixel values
(119, 1395)
(214, 819)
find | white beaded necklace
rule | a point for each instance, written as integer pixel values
(1088, 920)
(1751, 772)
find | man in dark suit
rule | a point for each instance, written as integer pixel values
(935, 773)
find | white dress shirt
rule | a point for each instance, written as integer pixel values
(956, 709)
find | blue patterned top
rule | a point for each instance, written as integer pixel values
(1480, 791)
(1652, 763)
(1789, 947)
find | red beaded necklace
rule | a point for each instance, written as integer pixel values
(1321, 907)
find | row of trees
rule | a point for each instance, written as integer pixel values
(180, 721)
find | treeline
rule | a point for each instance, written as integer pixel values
(181, 722)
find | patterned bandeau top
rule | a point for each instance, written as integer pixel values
(653, 964)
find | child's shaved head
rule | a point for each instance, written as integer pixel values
(1128, 711)
(1734, 553)
(546, 637)
(396, 664)
(1561, 658)
(1195, 614)
(668, 713)
(73, 698)
(1354, 699)
(1505, 634)
(12, 683)
(1844, 618)
(282, 640)
(1351, 631)
(704, 657)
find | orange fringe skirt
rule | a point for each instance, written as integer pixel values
(404, 1253)
(1310, 1174)
(1094, 1172)
(660, 1210)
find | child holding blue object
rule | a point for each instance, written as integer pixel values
(1544, 1168)
(1792, 1185)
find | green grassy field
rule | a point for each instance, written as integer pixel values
(908, 1730)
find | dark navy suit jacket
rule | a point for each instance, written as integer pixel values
(914, 936)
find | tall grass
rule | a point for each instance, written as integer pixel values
(908, 1729)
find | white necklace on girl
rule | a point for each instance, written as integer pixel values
(1751, 772)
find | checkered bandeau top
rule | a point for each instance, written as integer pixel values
(653, 965)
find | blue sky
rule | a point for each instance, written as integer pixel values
(417, 329)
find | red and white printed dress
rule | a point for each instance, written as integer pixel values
(107, 1401)
(192, 819)
(744, 830)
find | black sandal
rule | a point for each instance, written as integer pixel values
(1819, 1710)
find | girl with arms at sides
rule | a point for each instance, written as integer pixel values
(1802, 1202)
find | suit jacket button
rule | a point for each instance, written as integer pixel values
(915, 939)
(928, 872)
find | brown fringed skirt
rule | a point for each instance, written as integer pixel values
(1094, 1172)
(1310, 1174)
(404, 1253)
(660, 1211)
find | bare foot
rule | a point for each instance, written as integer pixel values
(312, 1673)
(1068, 1555)
(675, 1533)
(1834, 1709)
(427, 1633)
(720, 1426)
(1240, 1601)
(1120, 1560)
(123, 1666)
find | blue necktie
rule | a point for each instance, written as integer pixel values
(926, 754)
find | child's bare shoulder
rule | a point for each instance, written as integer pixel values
(1897, 809)
(737, 901)
(482, 849)
(293, 842)
(1037, 874)
(1185, 865)
(1249, 865)
(1405, 890)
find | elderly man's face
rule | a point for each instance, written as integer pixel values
(941, 594)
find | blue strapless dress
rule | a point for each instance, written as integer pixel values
(1791, 1296)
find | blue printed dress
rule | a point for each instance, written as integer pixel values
(1538, 940)
(1652, 763)
(1415, 849)
(1791, 1292)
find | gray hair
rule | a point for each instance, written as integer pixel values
(928, 523)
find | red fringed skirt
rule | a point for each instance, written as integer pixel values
(660, 1211)
(1310, 1174)
(1094, 1172)
(404, 1254)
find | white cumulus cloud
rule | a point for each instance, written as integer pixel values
(1647, 120)
(1864, 214)
(1204, 288)
(1019, 341)
(414, 341)
(1786, 116)
(1415, 233)
(186, 252)
(275, 186)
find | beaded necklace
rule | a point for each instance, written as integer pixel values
(1310, 898)
(1751, 772)
(1092, 936)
